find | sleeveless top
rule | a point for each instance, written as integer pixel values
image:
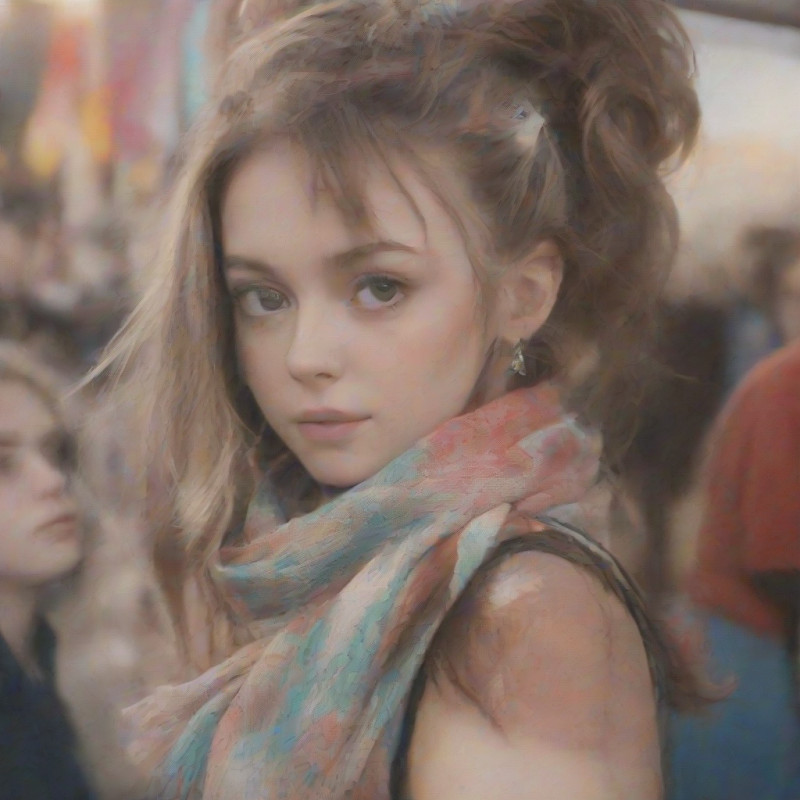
(568, 542)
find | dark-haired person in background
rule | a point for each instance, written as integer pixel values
(768, 315)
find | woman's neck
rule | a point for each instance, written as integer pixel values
(17, 620)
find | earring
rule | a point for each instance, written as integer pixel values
(518, 359)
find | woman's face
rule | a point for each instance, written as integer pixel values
(39, 534)
(353, 345)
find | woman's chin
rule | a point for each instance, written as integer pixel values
(338, 477)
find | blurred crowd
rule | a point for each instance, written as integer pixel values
(90, 131)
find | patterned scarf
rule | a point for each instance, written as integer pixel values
(345, 602)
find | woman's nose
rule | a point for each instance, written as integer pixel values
(315, 351)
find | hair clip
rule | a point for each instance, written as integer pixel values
(528, 122)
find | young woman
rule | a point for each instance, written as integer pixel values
(397, 228)
(40, 543)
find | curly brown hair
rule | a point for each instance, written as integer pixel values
(448, 88)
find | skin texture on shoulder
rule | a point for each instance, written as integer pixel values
(554, 699)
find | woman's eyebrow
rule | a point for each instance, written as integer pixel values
(344, 260)
(253, 264)
(354, 255)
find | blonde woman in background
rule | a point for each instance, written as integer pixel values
(41, 543)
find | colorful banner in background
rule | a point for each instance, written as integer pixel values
(145, 45)
(121, 84)
(55, 117)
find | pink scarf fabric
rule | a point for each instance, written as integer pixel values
(345, 602)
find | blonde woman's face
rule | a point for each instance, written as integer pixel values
(39, 537)
(354, 346)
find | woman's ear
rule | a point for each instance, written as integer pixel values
(528, 291)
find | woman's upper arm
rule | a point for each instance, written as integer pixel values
(561, 702)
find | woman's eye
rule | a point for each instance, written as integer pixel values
(62, 453)
(378, 292)
(258, 302)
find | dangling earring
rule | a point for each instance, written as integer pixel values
(518, 359)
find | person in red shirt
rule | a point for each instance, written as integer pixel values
(749, 545)
(746, 583)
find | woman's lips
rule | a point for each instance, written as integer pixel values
(65, 526)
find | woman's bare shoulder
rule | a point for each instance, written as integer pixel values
(539, 687)
(542, 647)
